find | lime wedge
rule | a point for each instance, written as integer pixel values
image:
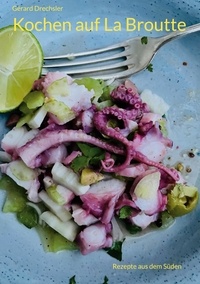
(21, 60)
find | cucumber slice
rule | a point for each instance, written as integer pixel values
(28, 217)
(54, 195)
(61, 112)
(16, 197)
(37, 118)
(21, 172)
(68, 178)
(68, 229)
(57, 209)
(52, 241)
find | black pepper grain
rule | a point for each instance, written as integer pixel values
(188, 169)
(191, 155)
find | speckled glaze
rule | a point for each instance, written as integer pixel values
(22, 259)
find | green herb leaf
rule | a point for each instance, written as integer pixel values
(80, 163)
(95, 160)
(72, 280)
(125, 212)
(105, 280)
(133, 229)
(150, 67)
(91, 157)
(116, 250)
(144, 40)
(89, 151)
(85, 148)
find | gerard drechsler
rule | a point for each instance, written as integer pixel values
(37, 8)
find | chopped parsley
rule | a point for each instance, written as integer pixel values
(144, 40)
(105, 280)
(133, 229)
(72, 280)
(125, 212)
(91, 157)
(150, 67)
(116, 250)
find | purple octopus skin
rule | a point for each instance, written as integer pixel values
(30, 153)
(130, 97)
(135, 111)
(100, 199)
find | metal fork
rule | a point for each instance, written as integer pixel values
(116, 61)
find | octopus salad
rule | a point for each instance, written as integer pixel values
(82, 162)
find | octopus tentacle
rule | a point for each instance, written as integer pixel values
(134, 112)
(130, 97)
(101, 119)
(30, 152)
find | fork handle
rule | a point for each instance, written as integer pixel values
(173, 35)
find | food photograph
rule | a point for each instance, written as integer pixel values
(99, 142)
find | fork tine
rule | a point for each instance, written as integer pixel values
(96, 68)
(85, 53)
(105, 75)
(120, 68)
(89, 61)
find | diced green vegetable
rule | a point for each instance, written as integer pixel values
(58, 88)
(21, 171)
(28, 216)
(52, 241)
(24, 109)
(34, 99)
(163, 127)
(61, 111)
(24, 119)
(106, 92)
(16, 197)
(104, 104)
